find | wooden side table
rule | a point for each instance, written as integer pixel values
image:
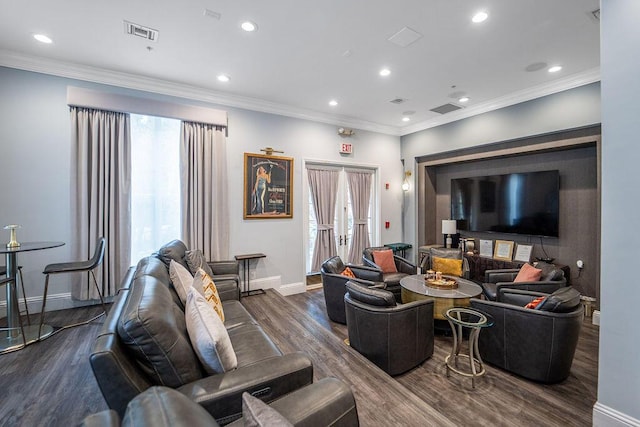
(246, 273)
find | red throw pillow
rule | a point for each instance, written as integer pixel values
(533, 304)
(348, 272)
(528, 273)
(385, 261)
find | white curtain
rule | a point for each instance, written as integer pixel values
(323, 186)
(360, 193)
(101, 147)
(204, 198)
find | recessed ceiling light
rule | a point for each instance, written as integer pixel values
(480, 17)
(385, 72)
(405, 119)
(464, 99)
(555, 69)
(42, 38)
(333, 102)
(223, 78)
(249, 26)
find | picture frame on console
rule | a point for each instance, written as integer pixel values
(523, 253)
(503, 250)
(486, 248)
(268, 186)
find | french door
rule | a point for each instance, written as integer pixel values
(343, 216)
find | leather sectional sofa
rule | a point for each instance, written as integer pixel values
(144, 343)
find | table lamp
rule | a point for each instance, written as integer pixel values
(449, 227)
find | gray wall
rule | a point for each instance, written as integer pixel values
(619, 377)
(35, 180)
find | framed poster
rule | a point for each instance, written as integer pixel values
(523, 253)
(486, 248)
(504, 250)
(268, 186)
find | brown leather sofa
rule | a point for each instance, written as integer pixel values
(538, 344)
(334, 284)
(551, 280)
(396, 337)
(144, 343)
(391, 280)
(328, 402)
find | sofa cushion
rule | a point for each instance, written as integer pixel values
(153, 329)
(333, 265)
(195, 259)
(371, 296)
(174, 250)
(256, 413)
(549, 272)
(452, 267)
(528, 273)
(208, 335)
(205, 285)
(561, 301)
(384, 260)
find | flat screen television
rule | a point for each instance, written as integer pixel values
(519, 203)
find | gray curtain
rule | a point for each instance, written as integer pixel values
(323, 186)
(101, 146)
(204, 198)
(359, 192)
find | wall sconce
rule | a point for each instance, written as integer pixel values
(406, 185)
(449, 227)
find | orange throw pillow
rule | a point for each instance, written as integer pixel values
(528, 273)
(384, 260)
(449, 266)
(533, 304)
(348, 272)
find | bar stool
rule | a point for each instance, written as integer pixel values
(72, 267)
(3, 272)
(11, 281)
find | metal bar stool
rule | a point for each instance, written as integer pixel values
(3, 272)
(71, 267)
(11, 281)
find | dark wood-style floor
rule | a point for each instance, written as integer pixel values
(51, 384)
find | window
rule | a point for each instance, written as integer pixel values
(155, 183)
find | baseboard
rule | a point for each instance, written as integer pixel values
(604, 416)
(264, 283)
(55, 302)
(292, 288)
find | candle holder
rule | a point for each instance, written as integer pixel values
(13, 242)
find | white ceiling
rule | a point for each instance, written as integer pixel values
(308, 52)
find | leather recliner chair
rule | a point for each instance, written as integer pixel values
(447, 253)
(551, 280)
(391, 280)
(164, 407)
(396, 337)
(538, 344)
(334, 284)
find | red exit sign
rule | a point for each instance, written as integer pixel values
(346, 148)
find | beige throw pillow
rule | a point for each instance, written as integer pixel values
(205, 284)
(181, 279)
(208, 336)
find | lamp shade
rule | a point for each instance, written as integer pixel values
(449, 226)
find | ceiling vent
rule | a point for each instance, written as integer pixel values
(398, 101)
(445, 108)
(140, 31)
(405, 37)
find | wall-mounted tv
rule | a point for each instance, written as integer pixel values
(520, 203)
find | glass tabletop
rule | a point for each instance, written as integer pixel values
(29, 246)
(469, 317)
(416, 283)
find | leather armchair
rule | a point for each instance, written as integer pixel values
(448, 253)
(534, 343)
(164, 407)
(551, 280)
(391, 280)
(396, 337)
(334, 284)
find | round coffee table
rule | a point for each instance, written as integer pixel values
(414, 288)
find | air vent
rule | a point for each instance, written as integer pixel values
(140, 31)
(446, 108)
(398, 101)
(405, 37)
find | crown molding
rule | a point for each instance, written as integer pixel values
(87, 73)
(70, 70)
(555, 86)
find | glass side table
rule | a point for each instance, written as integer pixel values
(475, 321)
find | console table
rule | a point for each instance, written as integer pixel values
(246, 273)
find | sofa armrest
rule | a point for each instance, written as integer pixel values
(517, 296)
(367, 273)
(224, 267)
(502, 275)
(221, 395)
(543, 287)
(404, 266)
